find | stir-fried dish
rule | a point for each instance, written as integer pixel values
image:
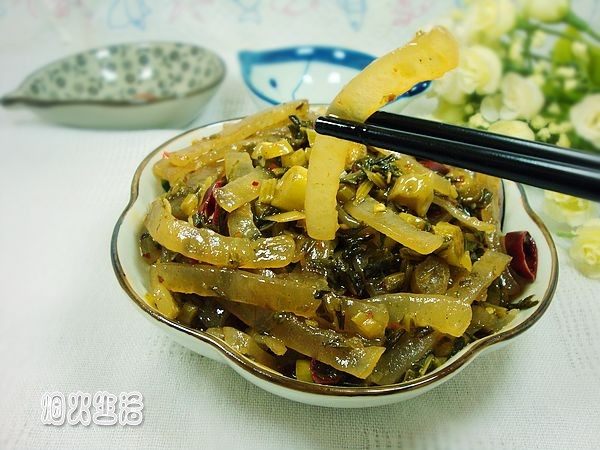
(326, 260)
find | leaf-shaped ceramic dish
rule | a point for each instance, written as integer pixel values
(317, 73)
(132, 273)
(127, 86)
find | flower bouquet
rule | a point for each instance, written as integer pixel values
(531, 70)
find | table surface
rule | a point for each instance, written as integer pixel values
(66, 325)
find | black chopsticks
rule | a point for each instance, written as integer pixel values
(534, 163)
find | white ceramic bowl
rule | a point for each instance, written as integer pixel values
(132, 273)
(124, 86)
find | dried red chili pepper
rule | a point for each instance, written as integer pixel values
(209, 209)
(322, 373)
(521, 246)
(435, 166)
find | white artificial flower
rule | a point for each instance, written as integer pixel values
(514, 128)
(580, 51)
(490, 107)
(538, 122)
(567, 209)
(538, 39)
(538, 79)
(480, 70)
(570, 84)
(541, 66)
(554, 108)
(477, 121)
(563, 140)
(456, 25)
(448, 88)
(585, 250)
(565, 72)
(449, 113)
(558, 128)
(544, 134)
(521, 97)
(585, 117)
(546, 10)
(516, 49)
(488, 20)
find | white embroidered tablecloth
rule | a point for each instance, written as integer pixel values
(66, 325)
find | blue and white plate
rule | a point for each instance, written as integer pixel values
(317, 73)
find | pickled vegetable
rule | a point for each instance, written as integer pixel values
(240, 223)
(207, 246)
(237, 164)
(284, 292)
(392, 225)
(269, 150)
(463, 216)
(399, 358)
(440, 312)
(160, 298)
(324, 170)
(454, 252)
(485, 271)
(488, 319)
(409, 165)
(367, 319)
(428, 56)
(290, 190)
(330, 261)
(297, 158)
(241, 190)
(414, 191)
(290, 216)
(431, 276)
(325, 345)
(244, 344)
(240, 130)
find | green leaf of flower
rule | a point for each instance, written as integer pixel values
(594, 66)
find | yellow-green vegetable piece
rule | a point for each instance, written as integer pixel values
(455, 253)
(427, 56)
(240, 130)
(270, 150)
(241, 190)
(294, 292)
(303, 370)
(160, 298)
(463, 217)
(413, 190)
(290, 190)
(205, 245)
(443, 313)
(305, 336)
(237, 164)
(298, 158)
(367, 319)
(393, 226)
(484, 272)
(244, 344)
(240, 223)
